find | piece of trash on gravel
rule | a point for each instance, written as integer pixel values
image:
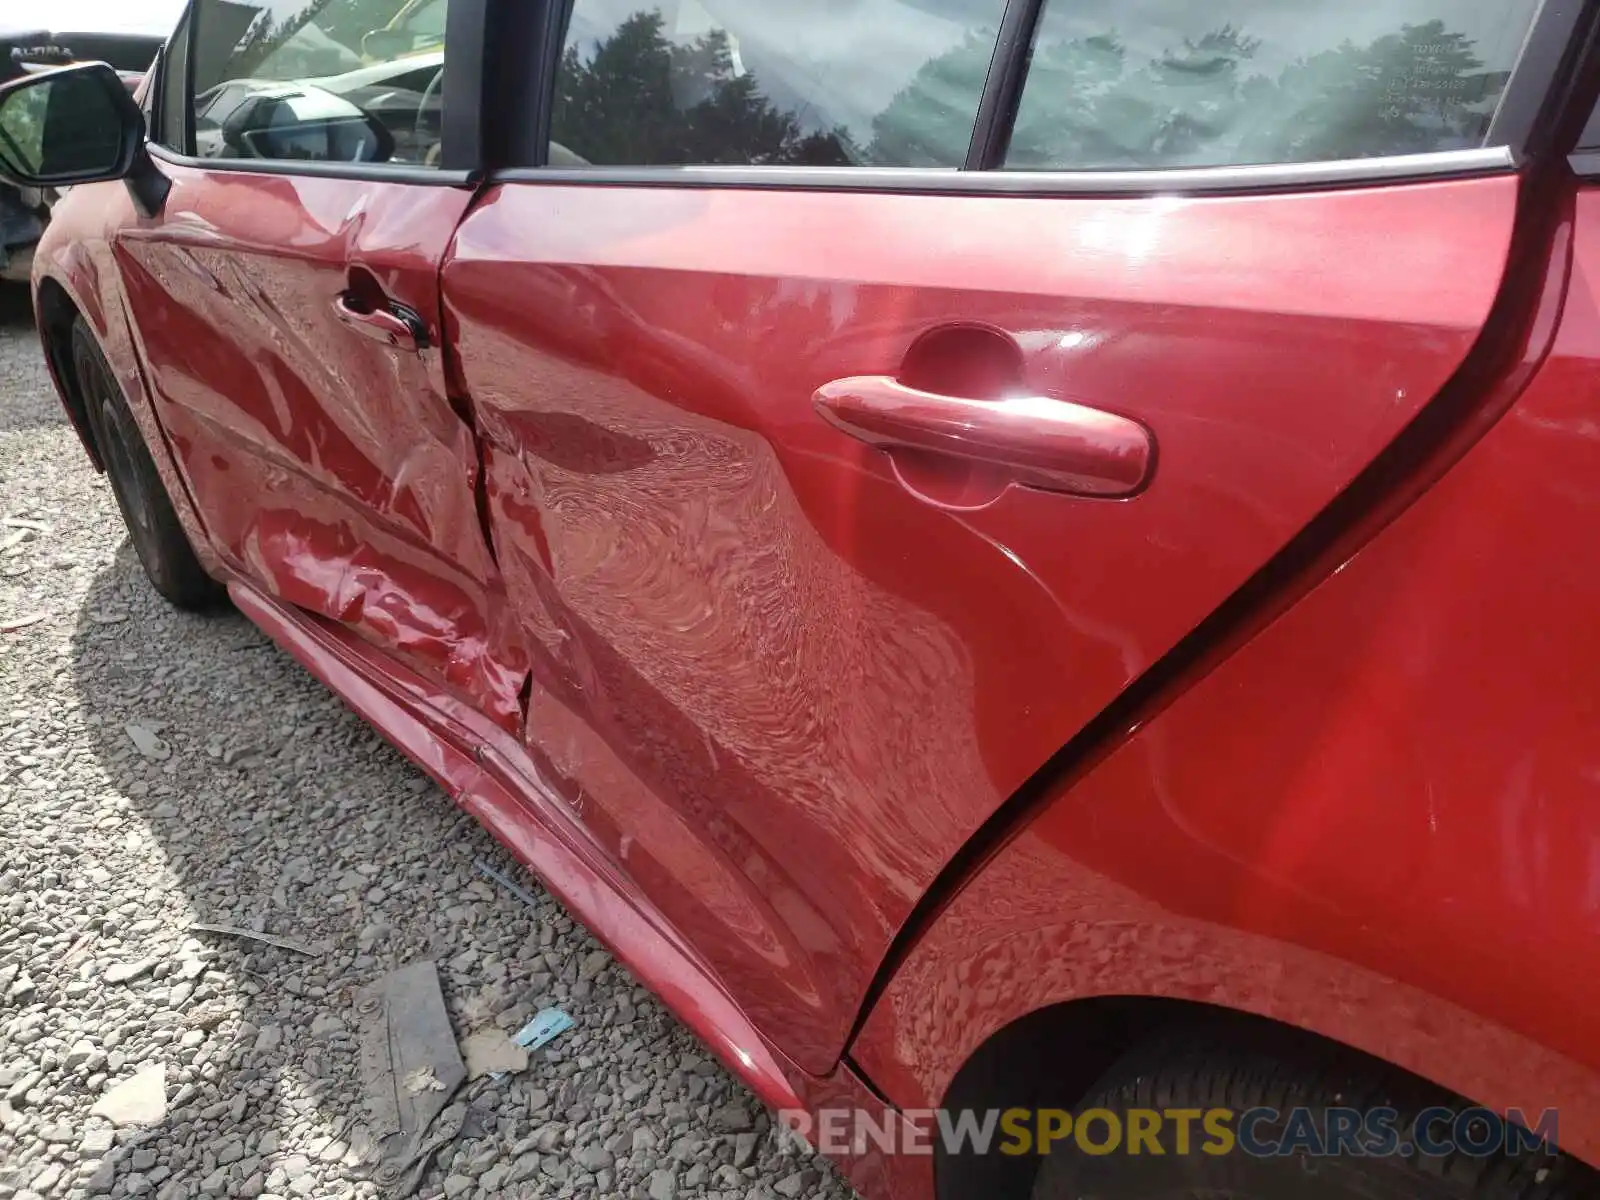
(410, 1069)
(147, 742)
(491, 1052)
(12, 624)
(506, 882)
(265, 938)
(24, 523)
(547, 1025)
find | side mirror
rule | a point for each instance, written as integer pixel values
(386, 45)
(75, 125)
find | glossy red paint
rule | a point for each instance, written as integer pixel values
(779, 685)
(738, 684)
(873, 1173)
(490, 776)
(330, 468)
(1034, 441)
(1376, 820)
(75, 266)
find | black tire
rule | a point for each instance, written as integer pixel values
(158, 538)
(1243, 1069)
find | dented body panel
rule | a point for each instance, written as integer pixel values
(782, 676)
(741, 689)
(330, 469)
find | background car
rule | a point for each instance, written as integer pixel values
(1036, 562)
(126, 35)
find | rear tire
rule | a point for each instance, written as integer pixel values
(1241, 1070)
(158, 538)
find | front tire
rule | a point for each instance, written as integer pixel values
(158, 538)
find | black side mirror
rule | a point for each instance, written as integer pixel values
(75, 125)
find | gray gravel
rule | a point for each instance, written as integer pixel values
(245, 794)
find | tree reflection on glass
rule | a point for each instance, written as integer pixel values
(1088, 103)
(642, 99)
(639, 98)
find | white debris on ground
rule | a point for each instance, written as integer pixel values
(160, 772)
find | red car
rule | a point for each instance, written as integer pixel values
(1022, 558)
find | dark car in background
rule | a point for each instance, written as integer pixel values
(126, 35)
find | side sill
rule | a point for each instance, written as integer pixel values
(490, 777)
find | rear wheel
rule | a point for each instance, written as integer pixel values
(158, 538)
(1205, 1072)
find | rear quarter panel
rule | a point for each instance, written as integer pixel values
(1379, 820)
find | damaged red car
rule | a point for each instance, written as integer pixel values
(1024, 563)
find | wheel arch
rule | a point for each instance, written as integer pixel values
(1043, 965)
(1054, 1056)
(55, 311)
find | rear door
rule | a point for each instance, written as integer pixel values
(287, 301)
(856, 428)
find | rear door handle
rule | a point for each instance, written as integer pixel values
(1050, 444)
(391, 323)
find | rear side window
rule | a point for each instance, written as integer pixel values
(772, 82)
(1235, 82)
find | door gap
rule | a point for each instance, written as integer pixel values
(480, 496)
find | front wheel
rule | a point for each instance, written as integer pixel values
(158, 538)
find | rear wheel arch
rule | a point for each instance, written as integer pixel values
(1057, 1056)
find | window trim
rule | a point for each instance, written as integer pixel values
(364, 172)
(528, 35)
(183, 29)
(1270, 177)
(1541, 65)
(151, 104)
(1547, 58)
(1002, 90)
(462, 135)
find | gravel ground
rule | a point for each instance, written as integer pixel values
(275, 809)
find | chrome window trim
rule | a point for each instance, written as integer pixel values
(412, 173)
(1270, 177)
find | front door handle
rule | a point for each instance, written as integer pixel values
(392, 324)
(1050, 444)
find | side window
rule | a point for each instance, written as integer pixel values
(771, 82)
(1237, 82)
(354, 81)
